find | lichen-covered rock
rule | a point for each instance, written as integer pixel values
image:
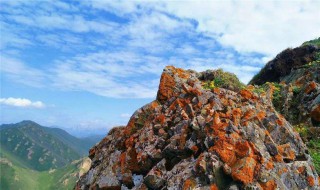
(195, 138)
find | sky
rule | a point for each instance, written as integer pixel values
(86, 66)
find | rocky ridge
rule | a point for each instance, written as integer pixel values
(284, 62)
(191, 137)
(297, 94)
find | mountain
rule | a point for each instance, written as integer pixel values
(80, 145)
(37, 157)
(202, 134)
(34, 146)
(15, 176)
(42, 148)
(92, 140)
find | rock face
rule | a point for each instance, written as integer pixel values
(194, 138)
(282, 64)
(300, 90)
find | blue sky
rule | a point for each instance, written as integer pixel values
(88, 65)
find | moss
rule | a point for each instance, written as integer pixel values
(225, 80)
(209, 85)
(296, 90)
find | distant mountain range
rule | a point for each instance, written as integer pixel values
(38, 157)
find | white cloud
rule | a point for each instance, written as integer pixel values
(21, 102)
(265, 27)
(253, 26)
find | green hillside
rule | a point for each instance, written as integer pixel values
(33, 146)
(42, 148)
(41, 158)
(81, 146)
(21, 178)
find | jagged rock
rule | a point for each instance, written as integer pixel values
(195, 138)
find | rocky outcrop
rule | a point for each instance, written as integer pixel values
(301, 92)
(191, 137)
(284, 62)
(297, 94)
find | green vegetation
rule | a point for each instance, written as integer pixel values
(296, 90)
(312, 142)
(209, 85)
(42, 148)
(35, 147)
(314, 147)
(17, 177)
(40, 158)
(277, 99)
(224, 80)
(315, 42)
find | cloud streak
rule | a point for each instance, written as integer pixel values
(21, 102)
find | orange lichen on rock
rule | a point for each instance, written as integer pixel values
(243, 170)
(269, 185)
(180, 72)
(280, 122)
(301, 169)
(236, 114)
(154, 104)
(261, 115)
(286, 151)
(243, 149)
(311, 86)
(123, 162)
(160, 118)
(189, 184)
(225, 151)
(248, 114)
(246, 94)
(269, 165)
(130, 126)
(166, 87)
(194, 149)
(216, 90)
(315, 113)
(278, 158)
(282, 171)
(183, 136)
(311, 181)
(214, 187)
(129, 142)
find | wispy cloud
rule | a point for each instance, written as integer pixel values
(122, 55)
(21, 102)
(16, 70)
